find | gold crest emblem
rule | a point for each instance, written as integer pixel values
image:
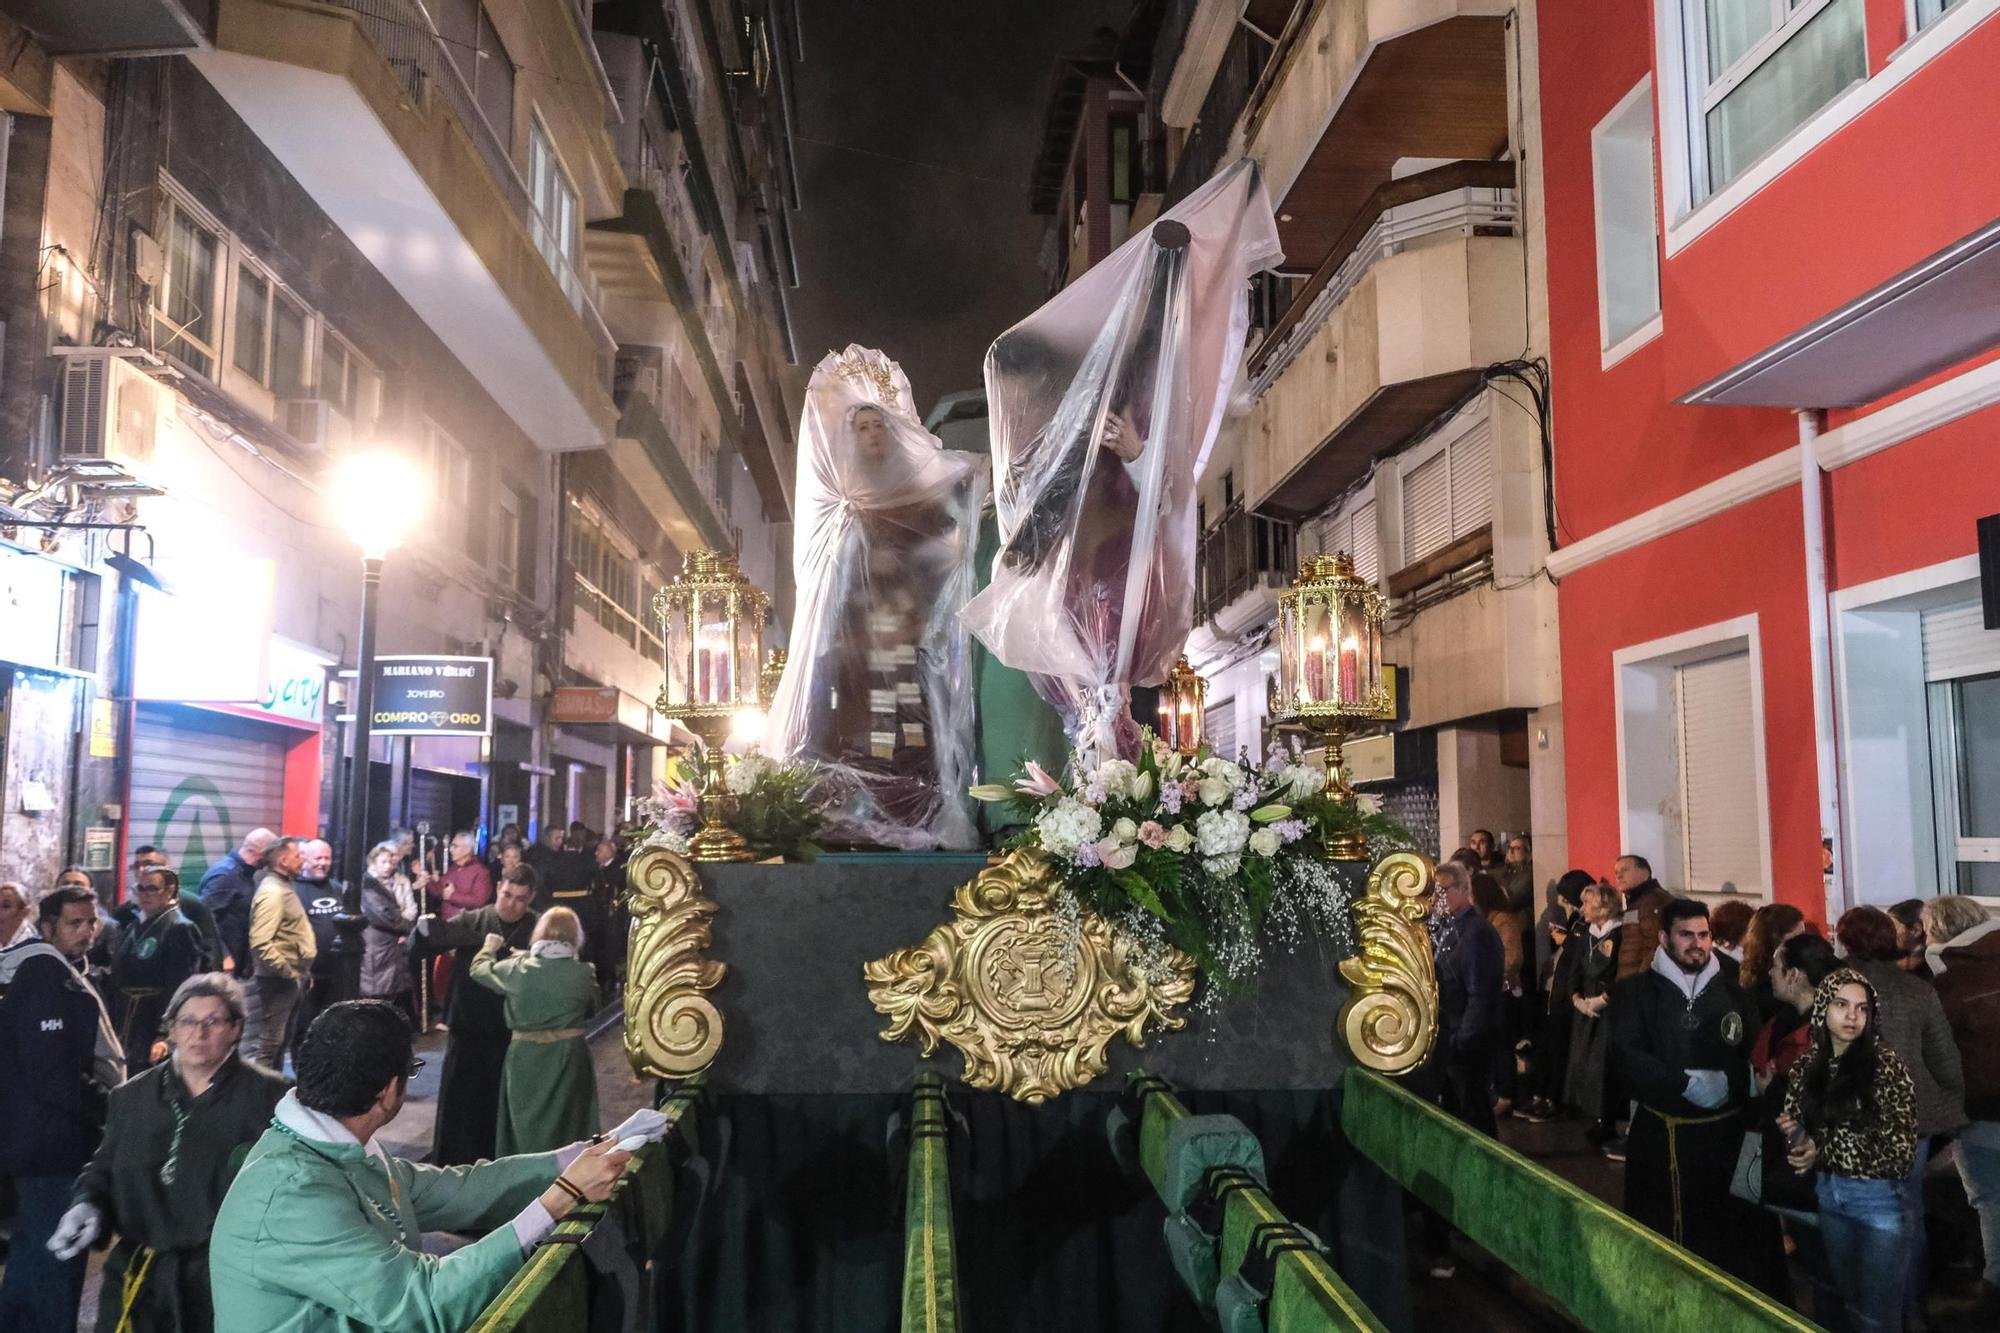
(1032, 1013)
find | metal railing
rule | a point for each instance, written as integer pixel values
(1446, 200)
(1229, 93)
(1242, 551)
(617, 621)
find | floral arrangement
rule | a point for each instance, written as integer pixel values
(778, 807)
(1207, 855)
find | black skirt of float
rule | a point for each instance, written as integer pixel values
(804, 1229)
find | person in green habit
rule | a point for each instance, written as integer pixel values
(548, 1090)
(322, 1230)
(174, 1139)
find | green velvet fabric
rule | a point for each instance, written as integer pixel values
(1607, 1271)
(1195, 1145)
(930, 1263)
(556, 1289)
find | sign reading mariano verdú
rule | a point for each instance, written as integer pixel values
(433, 696)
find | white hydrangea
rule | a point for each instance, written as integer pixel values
(1179, 839)
(1118, 777)
(1222, 768)
(745, 771)
(1266, 841)
(1068, 825)
(1222, 867)
(1222, 833)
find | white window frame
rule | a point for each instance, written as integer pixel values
(1618, 350)
(447, 467)
(1685, 221)
(1649, 764)
(507, 537)
(542, 145)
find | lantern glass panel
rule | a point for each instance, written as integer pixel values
(714, 683)
(677, 635)
(1319, 637)
(1288, 656)
(749, 650)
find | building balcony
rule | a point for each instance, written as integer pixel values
(1397, 326)
(105, 28)
(363, 103)
(666, 479)
(1358, 85)
(1241, 564)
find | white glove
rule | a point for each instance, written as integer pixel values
(1707, 1088)
(78, 1228)
(644, 1125)
(423, 926)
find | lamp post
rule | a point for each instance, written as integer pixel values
(1182, 700)
(712, 625)
(377, 495)
(1330, 667)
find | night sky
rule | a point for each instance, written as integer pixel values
(918, 121)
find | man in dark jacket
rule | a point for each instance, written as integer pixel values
(468, 1106)
(322, 898)
(1680, 1040)
(172, 1143)
(560, 871)
(1469, 962)
(58, 1063)
(192, 907)
(226, 890)
(158, 950)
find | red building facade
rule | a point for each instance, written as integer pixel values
(1774, 307)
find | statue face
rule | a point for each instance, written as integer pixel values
(872, 441)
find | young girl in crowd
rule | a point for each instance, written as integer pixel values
(1851, 1110)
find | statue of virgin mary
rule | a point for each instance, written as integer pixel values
(878, 683)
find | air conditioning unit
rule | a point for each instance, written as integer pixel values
(112, 412)
(315, 424)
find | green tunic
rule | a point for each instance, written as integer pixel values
(320, 1237)
(548, 1092)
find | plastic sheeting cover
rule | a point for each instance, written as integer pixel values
(1103, 406)
(878, 686)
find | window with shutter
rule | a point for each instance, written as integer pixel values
(1361, 544)
(1958, 644)
(1427, 508)
(1718, 775)
(1472, 481)
(1218, 725)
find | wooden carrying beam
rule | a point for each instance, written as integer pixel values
(1306, 1294)
(1608, 1272)
(930, 1259)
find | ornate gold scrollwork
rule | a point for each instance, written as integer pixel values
(1001, 983)
(672, 1028)
(1390, 1020)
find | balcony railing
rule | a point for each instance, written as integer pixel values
(1208, 140)
(1471, 198)
(600, 606)
(1241, 552)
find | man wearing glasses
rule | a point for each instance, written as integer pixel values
(174, 1140)
(157, 950)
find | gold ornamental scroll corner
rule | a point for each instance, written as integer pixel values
(1032, 1016)
(672, 1027)
(1391, 1019)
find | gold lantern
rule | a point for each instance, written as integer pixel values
(712, 625)
(1330, 667)
(1182, 699)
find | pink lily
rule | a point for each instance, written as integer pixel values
(1038, 783)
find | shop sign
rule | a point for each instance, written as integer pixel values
(31, 609)
(584, 704)
(433, 696)
(294, 685)
(103, 729)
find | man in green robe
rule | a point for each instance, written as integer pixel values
(322, 1231)
(468, 1108)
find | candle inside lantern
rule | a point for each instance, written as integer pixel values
(1316, 670)
(1350, 670)
(715, 682)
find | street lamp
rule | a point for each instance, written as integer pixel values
(377, 496)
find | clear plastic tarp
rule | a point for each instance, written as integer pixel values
(1103, 406)
(878, 684)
